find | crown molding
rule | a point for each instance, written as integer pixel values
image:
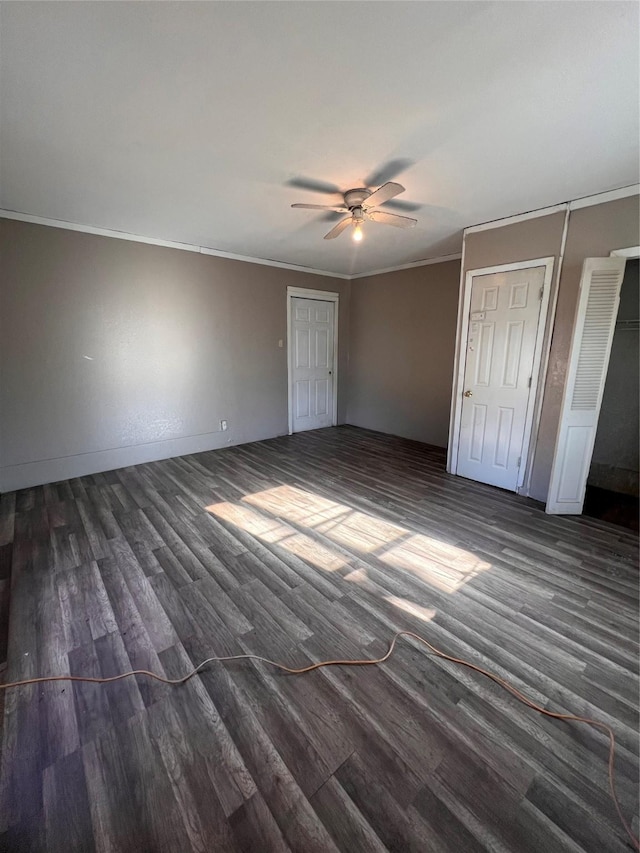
(603, 198)
(575, 204)
(267, 262)
(207, 250)
(153, 241)
(442, 259)
(513, 220)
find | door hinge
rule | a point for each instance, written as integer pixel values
(519, 461)
(541, 294)
(529, 382)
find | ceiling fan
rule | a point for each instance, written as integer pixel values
(361, 204)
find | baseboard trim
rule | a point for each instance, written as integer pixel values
(28, 474)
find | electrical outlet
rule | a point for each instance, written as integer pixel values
(223, 426)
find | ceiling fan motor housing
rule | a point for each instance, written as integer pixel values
(355, 198)
(362, 204)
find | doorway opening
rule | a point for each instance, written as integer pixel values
(612, 492)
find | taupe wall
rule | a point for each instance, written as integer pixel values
(592, 232)
(114, 352)
(402, 340)
(523, 241)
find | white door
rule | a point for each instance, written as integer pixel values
(311, 359)
(501, 345)
(593, 331)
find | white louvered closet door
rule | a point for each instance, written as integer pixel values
(586, 375)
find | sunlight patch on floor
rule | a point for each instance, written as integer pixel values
(443, 566)
(339, 522)
(276, 532)
(424, 613)
(266, 515)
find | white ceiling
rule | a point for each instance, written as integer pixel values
(193, 122)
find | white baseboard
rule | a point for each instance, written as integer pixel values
(27, 474)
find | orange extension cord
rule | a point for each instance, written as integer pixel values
(505, 684)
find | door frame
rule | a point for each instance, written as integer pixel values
(540, 359)
(323, 296)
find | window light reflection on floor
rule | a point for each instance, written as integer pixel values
(275, 532)
(424, 613)
(343, 524)
(275, 516)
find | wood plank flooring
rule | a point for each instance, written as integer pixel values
(301, 548)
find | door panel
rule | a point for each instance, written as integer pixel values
(302, 348)
(503, 327)
(312, 363)
(485, 354)
(478, 424)
(503, 441)
(586, 374)
(322, 348)
(322, 397)
(513, 350)
(302, 398)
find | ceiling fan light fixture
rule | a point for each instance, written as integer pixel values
(361, 204)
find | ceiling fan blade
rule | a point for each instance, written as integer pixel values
(391, 219)
(339, 228)
(387, 172)
(314, 186)
(322, 207)
(402, 206)
(384, 193)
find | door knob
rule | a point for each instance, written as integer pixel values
(468, 393)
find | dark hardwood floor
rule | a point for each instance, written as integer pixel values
(303, 548)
